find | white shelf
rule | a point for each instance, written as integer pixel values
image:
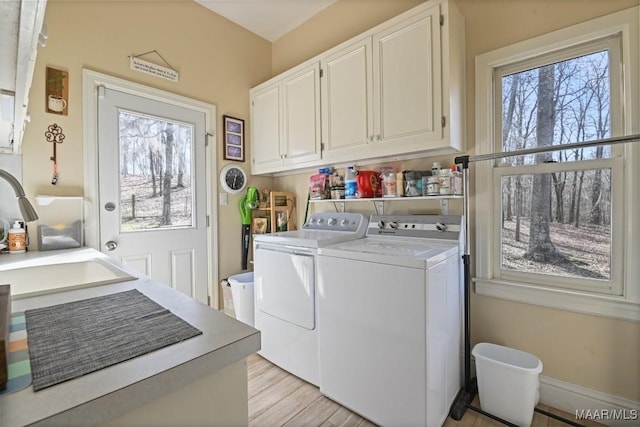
(378, 202)
(389, 199)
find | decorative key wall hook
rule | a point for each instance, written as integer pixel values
(54, 135)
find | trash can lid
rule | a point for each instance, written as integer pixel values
(245, 278)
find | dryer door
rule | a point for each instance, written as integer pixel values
(285, 284)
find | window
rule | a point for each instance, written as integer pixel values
(553, 223)
(155, 172)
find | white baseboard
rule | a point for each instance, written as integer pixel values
(601, 407)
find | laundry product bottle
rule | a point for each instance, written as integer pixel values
(17, 239)
(350, 183)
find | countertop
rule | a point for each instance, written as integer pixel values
(100, 396)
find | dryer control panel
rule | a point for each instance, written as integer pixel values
(336, 221)
(445, 227)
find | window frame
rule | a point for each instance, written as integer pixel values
(489, 280)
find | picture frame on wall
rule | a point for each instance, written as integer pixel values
(233, 138)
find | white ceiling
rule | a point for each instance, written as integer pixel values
(269, 19)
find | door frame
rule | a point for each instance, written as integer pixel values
(92, 82)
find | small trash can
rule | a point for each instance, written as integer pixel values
(242, 292)
(508, 382)
(227, 298)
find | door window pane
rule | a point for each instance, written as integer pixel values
(557, 223)
(155, 173)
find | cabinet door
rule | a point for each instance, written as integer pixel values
(408, 85)
(301, 123)
(265, 129)
(347, 115)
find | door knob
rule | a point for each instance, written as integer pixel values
(110, 245)
(109, 206)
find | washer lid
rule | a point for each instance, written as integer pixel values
(321, 229)
(392, 251)
(307, 238)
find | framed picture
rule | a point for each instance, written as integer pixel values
(233, 138)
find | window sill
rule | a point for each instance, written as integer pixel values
(579, 302)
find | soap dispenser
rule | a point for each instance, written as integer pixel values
(17, 239)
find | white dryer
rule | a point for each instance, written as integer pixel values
(390, 309)
(285, 275)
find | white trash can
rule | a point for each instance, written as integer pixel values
(508, 382)
(242, 293)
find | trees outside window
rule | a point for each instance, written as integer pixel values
(155, 158)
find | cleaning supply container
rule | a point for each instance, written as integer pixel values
(242, 294)
(508, 382)
(350, 183)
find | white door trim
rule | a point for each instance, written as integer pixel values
(91, 81)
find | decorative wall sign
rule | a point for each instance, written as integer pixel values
(56, 91)
(233, 138)
(138, 64)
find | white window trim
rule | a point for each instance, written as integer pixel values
(627, 306)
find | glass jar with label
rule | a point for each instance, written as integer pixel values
(444, 181)
(431, 187)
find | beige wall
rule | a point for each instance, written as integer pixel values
(594, 352)
(218, 62)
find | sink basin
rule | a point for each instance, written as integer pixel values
(46, 279)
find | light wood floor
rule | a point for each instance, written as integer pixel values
(277, 398)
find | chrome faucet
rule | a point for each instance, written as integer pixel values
(27, 210)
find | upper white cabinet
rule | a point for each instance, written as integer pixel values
(392, 92)
(407, 85)
(347, 101)
(285, 120)
(396, 90)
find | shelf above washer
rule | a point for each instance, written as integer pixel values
(378, 202)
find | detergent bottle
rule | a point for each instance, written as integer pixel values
(350, 183)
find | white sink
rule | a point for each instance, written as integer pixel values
(46, 279)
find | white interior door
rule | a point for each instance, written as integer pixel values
(152, 189)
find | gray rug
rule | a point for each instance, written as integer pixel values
(76, 338)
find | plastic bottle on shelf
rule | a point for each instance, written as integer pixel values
(444, 181)
(17, 239)
(350, 183)
(456, 180)
(389, 187)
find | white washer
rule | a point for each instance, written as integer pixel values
(390, 310)
(285, 276)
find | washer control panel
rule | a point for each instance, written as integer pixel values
(445, 227)
(338, 221)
